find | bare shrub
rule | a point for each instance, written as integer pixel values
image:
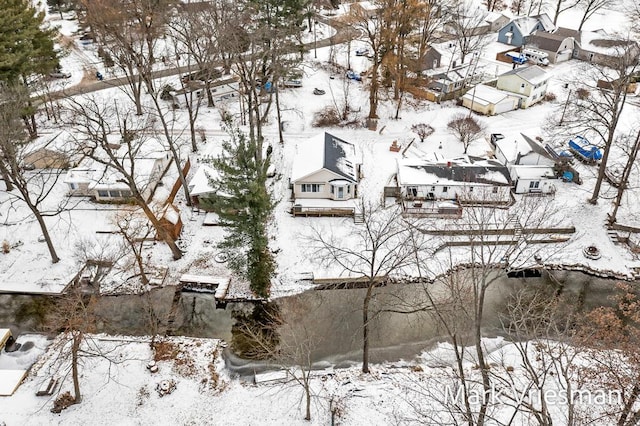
(328, 116)
(6, 247)
(550, 96)
(423, 130)
(582, 93)
(63, 401)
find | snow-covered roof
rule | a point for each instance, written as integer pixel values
(533, 74)
(462, 170)
(513, 145)
(485, 95)
(146, 169)
(328, 152)
(527, 24)
(200, 182)
(531, 172)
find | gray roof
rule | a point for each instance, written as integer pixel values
(547, 41)
(533, 74)
(336, 159)
(470, 173)
(536, 147)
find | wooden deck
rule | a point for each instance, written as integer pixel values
(323, 211)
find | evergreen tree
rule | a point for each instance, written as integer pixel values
(26, 48)
(244, 206)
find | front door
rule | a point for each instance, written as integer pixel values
(340, 192)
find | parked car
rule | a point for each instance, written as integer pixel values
(203, 75)
(362, 51)
(292, 83)
(59, 74)
(317, 91)
(353, 76)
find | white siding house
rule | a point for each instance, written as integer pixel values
(533, 179)
(325, 167)
(106, 184)
(467, 179)
(529, 83)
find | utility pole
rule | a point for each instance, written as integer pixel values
(565, 106)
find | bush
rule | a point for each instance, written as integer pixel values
(64, 400)
(328, 116)
(165, 93)
(582, 93)
(550, 96)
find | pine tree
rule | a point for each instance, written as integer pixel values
(26, 48)
(244, 206)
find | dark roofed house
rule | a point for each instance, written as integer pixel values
(603, 49)
(467, 178)
(558, 45)
(326, 167)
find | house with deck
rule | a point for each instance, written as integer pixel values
(528, 83)
(325, 174)
(463, 180)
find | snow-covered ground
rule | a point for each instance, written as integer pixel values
(128, 394)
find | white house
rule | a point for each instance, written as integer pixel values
(325, 167)
(519, 149)
(529, 83)
(103, 183)
(488, 100)
(466, 179)
(533, 179)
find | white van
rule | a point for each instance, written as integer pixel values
(535, 56)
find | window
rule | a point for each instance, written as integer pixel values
(471, 189)
(445, 189)
(114, 194)
(433, 189)
(125, 194)
(332, 189)
(495, 189)
(534, 185)
(412, 191)
(311, 187)
(103, 194)
(73, 186)
(348, 189)
(522, 86)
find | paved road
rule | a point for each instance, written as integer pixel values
(343, 34)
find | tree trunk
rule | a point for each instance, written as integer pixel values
(631, 400)
(307, 391)
(486, 385)
(163, 234)
(601, 171)
(373, 92)
(624, 179)
(279, 117)
(365, 328)
(43, 226)
(6, 177)
(75, 348)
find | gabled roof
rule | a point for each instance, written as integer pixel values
(328, 152)
(520, 145)
(527, 24)
(466, 169)
(533, 74)
(547, 41)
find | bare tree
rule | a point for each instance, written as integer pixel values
(32, 187)
(94, 122)
(631, 150)
(135, 230)
(493, 239)
(382, 246)
(597, 104)
(466, 128)
(465, 20)
(591, 7)
(562, 6)
(423, 130)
